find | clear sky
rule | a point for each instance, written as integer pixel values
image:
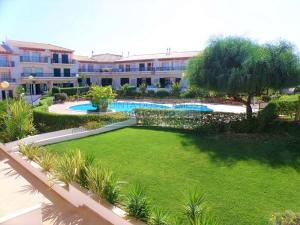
(146, 26)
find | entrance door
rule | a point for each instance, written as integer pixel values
(38, 90)
(3, 95)
(162, 82)
(139, 81)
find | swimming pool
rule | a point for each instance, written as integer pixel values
(130, 106)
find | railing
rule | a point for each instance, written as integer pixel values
(149, 69)
(8, 79)
(38, 59)
(61, 61)
(47, 75)
(7, 63)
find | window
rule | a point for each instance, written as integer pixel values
(67, 73)
(124, 81)
(56, 72)
(38, 71)
(65, 58)
(3, 60)
(55, 58)
(90, 68)
(127, 68)
(26, 70)
(165, 66)
(106, 81)
(142, 67)
(36, 57)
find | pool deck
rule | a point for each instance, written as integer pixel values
(64, 107)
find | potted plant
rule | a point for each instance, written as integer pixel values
(101, 97)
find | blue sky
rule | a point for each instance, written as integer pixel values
(146, 26)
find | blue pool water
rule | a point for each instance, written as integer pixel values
(130, 106)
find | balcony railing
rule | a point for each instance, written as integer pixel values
(38, 59)
(62, 61)
(7, 63)
(7, 78)
(149, 69)
(47, 75)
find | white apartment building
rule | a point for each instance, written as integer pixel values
(51, 65)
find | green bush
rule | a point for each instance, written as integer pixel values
(151, 93)
(126, 90)
(194, 92)
(162, 93)
(18, 122)
(207, 122)
(60, 97)
(70, 91)
(46, 122)
(176, 89)
(286, 218)
(91, 125)
(31, 151)
(55, 90)
(138, 204)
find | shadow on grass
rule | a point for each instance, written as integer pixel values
(279, 147)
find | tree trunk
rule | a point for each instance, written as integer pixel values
(248, 107)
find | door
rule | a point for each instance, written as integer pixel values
(38, 90)
(124, 81)
(55, 58)
(3, 95)
(88, 81)
(139, 81)
(148, 81)
(149, 66)
(162, 82)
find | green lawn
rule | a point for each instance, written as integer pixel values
(245, 178)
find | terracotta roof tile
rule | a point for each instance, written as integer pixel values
(172, 55)
(34, 45)
(107, 57)
(4, 49)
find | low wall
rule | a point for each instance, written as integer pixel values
(32, 216)
(66, 135)
(73, 194)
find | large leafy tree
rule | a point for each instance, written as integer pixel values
(243, 69)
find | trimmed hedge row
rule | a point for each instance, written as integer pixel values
(47, 122)
(188, 120)
(70, 90)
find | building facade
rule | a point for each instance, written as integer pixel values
(38, 67)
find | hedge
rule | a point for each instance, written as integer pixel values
(46, 122)
(70, 90)
(189, 120)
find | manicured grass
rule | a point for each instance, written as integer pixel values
(245, 178)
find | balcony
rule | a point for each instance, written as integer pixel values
(7, 78)
(62, 61)
(7, 64)
(34, 59)
(47, 75)
(126, 70)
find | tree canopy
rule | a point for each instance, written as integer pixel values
(240, 67)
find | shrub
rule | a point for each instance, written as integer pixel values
(126, 90)
(194, 208)
(91, 125)
(72, 166)
(143, 89)
(101, 97)
(184, 119)
(103, 183)
(137, 203)
(55, 90)
(46, 122)
(176, 89)
(46, 161)
(159, 217)
(31, 151)
(60, 97)
(194, 92)
(70, 91)
(151, 93)
(162, 93)
(18, 122)
(286, 218)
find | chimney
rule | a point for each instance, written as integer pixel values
(92, 53)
